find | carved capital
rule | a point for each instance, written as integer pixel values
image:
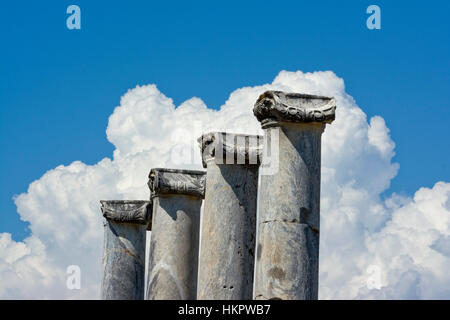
(173, 181)
(127, 211)
(231, 148)
(294, 107)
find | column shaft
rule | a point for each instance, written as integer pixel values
(229, 223)
(124, 249)
(288, 221)
(173, 259)
(287, 262)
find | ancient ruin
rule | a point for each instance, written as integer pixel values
(124, 249)
(287, 262)
(173, 261)
(229, 216)
(250, 248)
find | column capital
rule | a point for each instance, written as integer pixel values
(176, 181)
(127, 211)
(281, 106)
(230, 148)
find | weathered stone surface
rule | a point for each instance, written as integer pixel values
(229, 220)
(131, 211)
(175, 181)
(124, 249)
(230, 148)
(294, 107)
(287, 262)
(174, 243)
(290, 263)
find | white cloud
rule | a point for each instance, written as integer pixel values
(406, 240)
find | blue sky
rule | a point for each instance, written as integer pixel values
(58, 86)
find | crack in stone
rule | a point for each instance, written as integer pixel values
(295, 221)
(265, 298)
(163, 266)
(125, 251)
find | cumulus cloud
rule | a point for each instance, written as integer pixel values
(371, 247)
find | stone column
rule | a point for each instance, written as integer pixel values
(229, 216)
(124, 249)
(287, 263)
(173, 260)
